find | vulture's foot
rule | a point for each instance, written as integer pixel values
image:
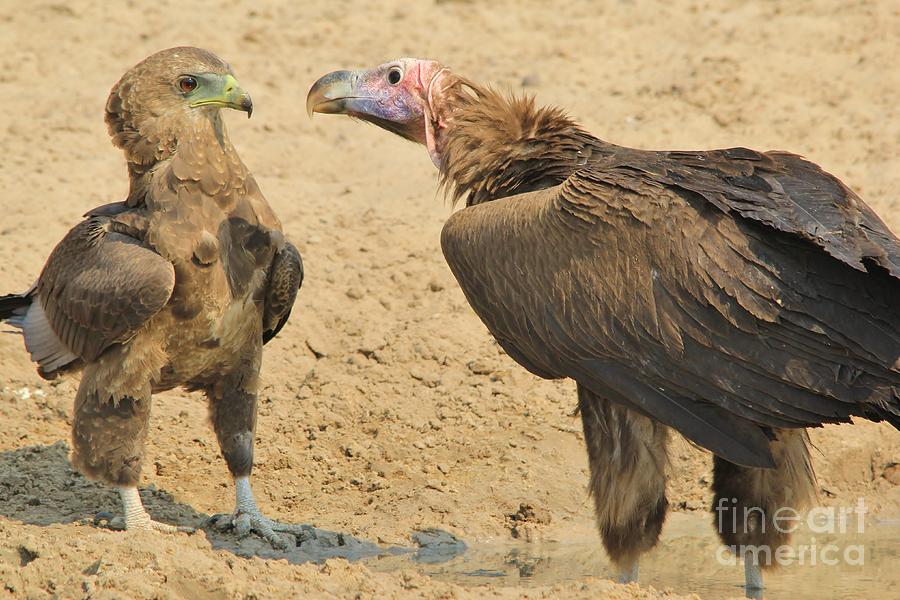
(629, 574)
(136, 518)
(753, 580)
(248, 519)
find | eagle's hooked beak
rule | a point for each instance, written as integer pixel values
(223, 91)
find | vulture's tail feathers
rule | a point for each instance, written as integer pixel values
(729, 436)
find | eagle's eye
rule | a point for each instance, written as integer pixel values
(394, 75)
(187, 84)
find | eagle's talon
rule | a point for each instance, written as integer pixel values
(300, 532)
(107, 520)
(186, 529)
(102, 517)
(248, 518)
(244, 523)
(263, 527)
(221, 522)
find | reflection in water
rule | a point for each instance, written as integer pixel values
(689, 559)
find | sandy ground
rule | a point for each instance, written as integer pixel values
(387, 407)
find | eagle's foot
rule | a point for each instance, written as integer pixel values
(248, 519)
(243, 523)
(136, 518)
(145, 523)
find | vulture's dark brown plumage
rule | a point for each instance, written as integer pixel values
(723, 293)
(736, 296)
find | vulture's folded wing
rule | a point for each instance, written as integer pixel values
(285, 279)
(783, 191)
(100, 286)
(649, 295)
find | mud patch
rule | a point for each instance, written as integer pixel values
(311, 545)
(39, 487)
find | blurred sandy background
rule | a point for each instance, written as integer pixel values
(387, 406)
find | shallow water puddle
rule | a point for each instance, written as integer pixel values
(688, 559)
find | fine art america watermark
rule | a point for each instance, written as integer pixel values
(821, 520)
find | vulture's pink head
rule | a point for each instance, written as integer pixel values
(404, 96)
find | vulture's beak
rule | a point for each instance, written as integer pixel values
(380, 96)
(337, 94)
(224, 91)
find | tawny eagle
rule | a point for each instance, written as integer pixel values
(180, 284)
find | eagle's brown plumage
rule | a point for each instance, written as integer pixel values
(736, 296)
(179, 285)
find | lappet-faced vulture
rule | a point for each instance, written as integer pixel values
(180, 284)
(735, 296)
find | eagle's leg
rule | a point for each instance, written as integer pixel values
(232, 404)
(136, 517)
(756, 510)
(108, 434)
(627, 457)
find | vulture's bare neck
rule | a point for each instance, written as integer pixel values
(496, 146)
(200, 156)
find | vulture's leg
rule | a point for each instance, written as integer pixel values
(232, 404)
(756, 510)
(108, 434)
(627, 456)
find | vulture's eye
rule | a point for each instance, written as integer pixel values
(395, 75)
(187, 84)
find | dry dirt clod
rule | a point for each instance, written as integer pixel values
(892, 473)
(528, 513)
(319, 345)
(481, 367)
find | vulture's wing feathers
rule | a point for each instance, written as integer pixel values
(284, 281)
(100, 285)
(643, 281)
(786, 192)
